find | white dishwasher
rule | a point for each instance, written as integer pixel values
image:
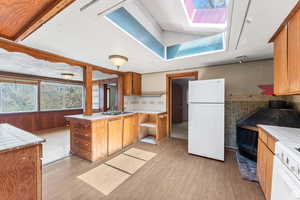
(286, 175)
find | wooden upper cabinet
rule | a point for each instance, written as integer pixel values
(281, 81)
(132, 84)
(286, 55)
(293, 53)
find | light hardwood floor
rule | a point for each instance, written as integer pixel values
(173, 174)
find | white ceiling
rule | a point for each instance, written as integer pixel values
(87, 37)
(25, 64)
(170, 15)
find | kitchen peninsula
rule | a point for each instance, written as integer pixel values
(94, 137)
(20, 155)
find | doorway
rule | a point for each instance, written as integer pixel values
(177, 103)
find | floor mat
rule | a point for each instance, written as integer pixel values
(104, 178)
(247, 168)
(126, 163)
(141, 154)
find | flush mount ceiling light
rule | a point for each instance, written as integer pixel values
(67, 75)
(242, 59)
(118, 60)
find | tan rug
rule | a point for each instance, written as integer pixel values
(126, 163)
(107, 177)
(141, 154)
(104, 178)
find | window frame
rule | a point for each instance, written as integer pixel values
(36, 97)
(63, 84)
(37, 83)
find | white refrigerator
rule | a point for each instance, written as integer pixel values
(206, 118)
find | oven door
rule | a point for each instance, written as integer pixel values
(285, 185)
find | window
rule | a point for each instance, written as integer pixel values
(56, 96)
(107, 98)
(96, 98)
(18, 97)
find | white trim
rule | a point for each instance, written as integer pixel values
(116, 25)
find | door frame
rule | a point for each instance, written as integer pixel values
(169, 78)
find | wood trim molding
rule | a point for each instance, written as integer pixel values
(51, 57)
(88, 84)
(52, 10)
(169, 78)
(285, 22)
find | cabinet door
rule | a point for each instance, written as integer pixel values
(130, 130)
(115, 130)
(127, 84)
(136, 84)
(19, 174)
(269, 173)
(161, 131)
(281, 82)
(293, 53)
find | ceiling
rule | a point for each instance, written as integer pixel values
(91, 38)
(25, 64)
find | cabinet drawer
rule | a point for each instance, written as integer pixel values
(81, 153)
(81, 131)
(81, 143)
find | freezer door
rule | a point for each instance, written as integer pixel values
(206, 130)
(209, 91)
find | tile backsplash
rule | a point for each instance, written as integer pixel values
(155, 103)
(236, 106)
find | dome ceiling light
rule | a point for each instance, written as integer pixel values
(67, 75)
(118, 60)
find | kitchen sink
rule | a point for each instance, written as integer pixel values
(115, 113)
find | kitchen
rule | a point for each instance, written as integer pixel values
(137, 95)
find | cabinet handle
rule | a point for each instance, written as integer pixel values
(24, 158)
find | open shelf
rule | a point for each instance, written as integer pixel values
(149, 139)
(148, 124)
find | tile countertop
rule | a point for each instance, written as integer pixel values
(14, 138)
(99, 116)
(287, 137)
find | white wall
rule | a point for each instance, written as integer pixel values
(241, 79)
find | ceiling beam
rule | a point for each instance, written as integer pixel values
(51, 57)
(42, 18)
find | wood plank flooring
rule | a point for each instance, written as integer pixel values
(173, 174)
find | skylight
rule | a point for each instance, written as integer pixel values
(206, 11)
(204, 45)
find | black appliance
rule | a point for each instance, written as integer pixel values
(277, 114)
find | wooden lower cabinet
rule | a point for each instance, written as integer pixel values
(265, 157)
(96, 139)
(21, 174)
(130, 130)
(88, 139)
(161, 128)
(115, 135)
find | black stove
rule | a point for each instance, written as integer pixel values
(277, 114)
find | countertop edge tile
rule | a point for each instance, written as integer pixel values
(99, 116)
(12, 138)
(288, 137)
